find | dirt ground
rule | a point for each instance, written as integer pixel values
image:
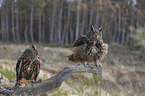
(123, 68)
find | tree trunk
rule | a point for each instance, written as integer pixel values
(17, 26)
(71, 36)
(40, 26)
(123, 32)
(87, 23)
(97, 18)
(43, 29)
(115, 29)
(132, 27)
(137, 22)
(13, 25)
(66, 38)
(59, 22)
(3, 21)
(103, 17)
(127, 39)
(67, 26)
(63, 36)
(84, 20)
(119, 26)
(21, 25)
(31, 25)
(55, 32)
(26, 29)
(91, 14)
(78, 19)
(52, 24)
(7, 22)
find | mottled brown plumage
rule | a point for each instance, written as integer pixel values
(28, 65)
(89, 48)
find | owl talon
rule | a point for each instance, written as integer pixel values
(85, 65)
(33, 83)
(23, 82)
(99, 65)
(78, 64)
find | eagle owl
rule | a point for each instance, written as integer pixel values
(89, 48)
(28, 66)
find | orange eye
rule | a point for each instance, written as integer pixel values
(93, 33)
(98, 33)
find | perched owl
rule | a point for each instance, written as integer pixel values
(28, 66)
(89, 48)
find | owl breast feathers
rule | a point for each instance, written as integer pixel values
(83, 51)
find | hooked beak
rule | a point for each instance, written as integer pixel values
(38, 56)
(96, 36)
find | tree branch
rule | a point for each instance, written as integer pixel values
(51, 83)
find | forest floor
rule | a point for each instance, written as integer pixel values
(123, 70)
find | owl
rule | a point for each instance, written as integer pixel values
(28, 66)
(89, 48)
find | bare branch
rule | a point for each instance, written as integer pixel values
(5, 91)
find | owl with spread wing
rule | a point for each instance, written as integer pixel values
(28, 66)
(89, 48)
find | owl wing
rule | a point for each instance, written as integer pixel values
(18, 69)
(80, 41)
(36, 69)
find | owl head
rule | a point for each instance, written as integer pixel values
(35, 51)
(95, 33)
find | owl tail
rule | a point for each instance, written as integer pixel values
(71, 58)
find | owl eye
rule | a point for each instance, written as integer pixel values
(93, 33)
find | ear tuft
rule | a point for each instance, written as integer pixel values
(92, 27)
(33, 47)
(100, 29)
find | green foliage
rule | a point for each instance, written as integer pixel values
(96, 82)
(112, 92)
(121, 94)
(6, 62)
(44, 77)
(25, 5)
(59, 92)
(81, 85)
(8, 73)
(1, 67)
(140, 36)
